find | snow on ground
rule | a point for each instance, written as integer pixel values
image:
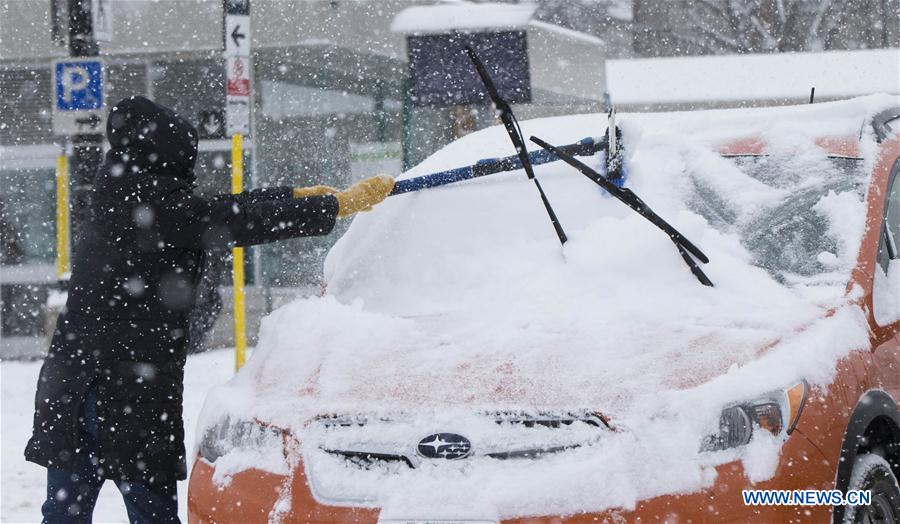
(22, 484)
(459, 300)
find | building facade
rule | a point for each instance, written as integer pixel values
(330, 106)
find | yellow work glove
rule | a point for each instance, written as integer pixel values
(303, 192)
(363, 195)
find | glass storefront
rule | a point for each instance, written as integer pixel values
(27, 205)
(330, 125)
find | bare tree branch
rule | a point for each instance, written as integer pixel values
(782, 15)
(770, 40)
(820, 14)
(711, 32)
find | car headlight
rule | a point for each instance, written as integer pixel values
(236, 434)
(776, 412)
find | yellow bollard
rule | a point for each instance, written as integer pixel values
(240, 321)
(62, 216)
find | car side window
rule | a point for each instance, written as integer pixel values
(890, 237)
(892, 222)
(886, 289)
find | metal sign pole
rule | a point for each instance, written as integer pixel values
(238, 104)
(240, 321)
(62, 216)
(87, 154)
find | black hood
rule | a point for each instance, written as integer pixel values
(145, 136)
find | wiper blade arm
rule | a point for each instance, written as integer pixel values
(692, 264)
(515, 135)
(685, 247)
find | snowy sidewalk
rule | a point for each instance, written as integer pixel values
(22, 483)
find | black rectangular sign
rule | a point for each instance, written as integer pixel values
(442, 74)
(237, 7)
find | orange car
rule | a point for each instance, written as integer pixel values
(838, 433)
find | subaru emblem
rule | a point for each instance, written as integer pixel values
(448, 446)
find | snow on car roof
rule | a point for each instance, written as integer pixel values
(834, 74)
(460, 298)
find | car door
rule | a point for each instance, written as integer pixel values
(886, 292)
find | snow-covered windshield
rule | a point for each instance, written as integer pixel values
(790, 238)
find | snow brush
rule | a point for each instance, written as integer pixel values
(686, 248)
(490, 166)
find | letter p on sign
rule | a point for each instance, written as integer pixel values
(74, 79)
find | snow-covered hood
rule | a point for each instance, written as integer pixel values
(443, 362)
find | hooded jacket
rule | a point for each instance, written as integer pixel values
(136, 264)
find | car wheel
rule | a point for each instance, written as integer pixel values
(871, 472)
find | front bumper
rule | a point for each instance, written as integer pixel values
(256, 496)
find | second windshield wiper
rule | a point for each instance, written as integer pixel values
(515, 135)
(686, 248)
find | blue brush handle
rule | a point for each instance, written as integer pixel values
(489, 166)
(433, 180)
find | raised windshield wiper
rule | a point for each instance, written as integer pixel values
(685, 247)
(515, 135)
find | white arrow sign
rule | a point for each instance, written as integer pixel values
(237, 35)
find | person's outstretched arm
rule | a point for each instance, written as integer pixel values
(256, 195)
(263, 194)
(192, 222)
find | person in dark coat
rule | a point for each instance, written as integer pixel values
(109, 395)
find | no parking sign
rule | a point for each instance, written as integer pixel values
(77, 96)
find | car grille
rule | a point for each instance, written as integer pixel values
(499, 435)
(367, 460)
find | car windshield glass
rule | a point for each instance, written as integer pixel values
(798, 234)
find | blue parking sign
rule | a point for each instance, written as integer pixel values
(77, 96)
(78, 85)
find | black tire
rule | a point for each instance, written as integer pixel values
(872, 472)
